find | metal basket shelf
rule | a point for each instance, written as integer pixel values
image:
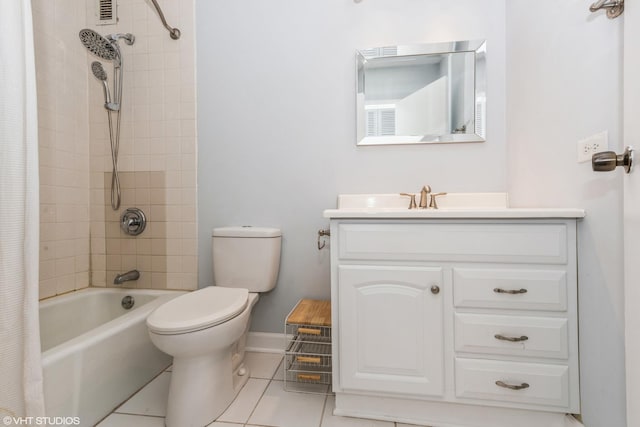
(307, 362)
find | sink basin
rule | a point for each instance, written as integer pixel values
(451, 205)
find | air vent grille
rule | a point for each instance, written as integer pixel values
(374, 52)
(381, 120)
(106, 12)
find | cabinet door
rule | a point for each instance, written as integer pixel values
(391, 329)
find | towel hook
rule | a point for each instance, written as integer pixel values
(321, 234)
(614, 7)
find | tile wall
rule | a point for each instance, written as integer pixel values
(63, 126)
(158, 252)
(157, 155)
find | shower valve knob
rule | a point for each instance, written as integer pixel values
(133, 221)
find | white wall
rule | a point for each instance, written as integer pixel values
(276, 138)
(276, 122)
(564, 84)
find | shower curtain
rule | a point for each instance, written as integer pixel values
(20, 364)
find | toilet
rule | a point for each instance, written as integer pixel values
(205, 330)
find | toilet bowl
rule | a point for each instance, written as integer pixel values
(204, 380)
(205, 330)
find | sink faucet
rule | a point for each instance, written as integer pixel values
(424, 197)
(434, 203)
(125, 277)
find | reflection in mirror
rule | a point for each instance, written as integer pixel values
(417, 94)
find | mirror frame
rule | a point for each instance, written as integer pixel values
(477, 47)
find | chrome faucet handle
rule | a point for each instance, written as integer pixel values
(424, 197)
(133, 221)
(412, 202)
(434, 202)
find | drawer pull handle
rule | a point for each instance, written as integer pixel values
(509, 291)
(511, 339)
(310, 377)
(512, 387)
(308, 359)
(309, 331)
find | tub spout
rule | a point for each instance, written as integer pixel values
(125, 277)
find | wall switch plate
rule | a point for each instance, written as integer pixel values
(594, 144)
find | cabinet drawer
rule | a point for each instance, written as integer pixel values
(479, 242)
(546, 385)
(511, 289)
(512, 335)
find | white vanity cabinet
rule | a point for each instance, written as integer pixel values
(437, 320)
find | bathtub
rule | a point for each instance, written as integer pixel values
(95, 353)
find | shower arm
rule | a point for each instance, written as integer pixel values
(174, 33)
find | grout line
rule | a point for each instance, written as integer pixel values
(263, 392)
(324, 406)
(115, 409)
(138, 415)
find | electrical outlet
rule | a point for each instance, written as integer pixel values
(594, 144)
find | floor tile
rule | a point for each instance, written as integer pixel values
(244, 404)
(284, 409)
(262, 365)
(279, 375)
(410, 425)
(220, 424)
(330, 420)
(151, 400)
(124, 420)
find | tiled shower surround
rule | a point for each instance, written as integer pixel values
(157, 156)
(63, 132)
(162, 253)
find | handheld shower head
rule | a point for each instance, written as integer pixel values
(101, 75)
(98, 71)
(98, 45)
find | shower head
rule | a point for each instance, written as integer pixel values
(98, 45)
(98, 71)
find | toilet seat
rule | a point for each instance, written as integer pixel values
(198, 310)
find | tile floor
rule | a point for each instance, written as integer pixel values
(262, 402)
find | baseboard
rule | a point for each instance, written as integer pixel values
(570, 421)
(265, 342)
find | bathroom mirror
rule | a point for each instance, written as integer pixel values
(420, 94)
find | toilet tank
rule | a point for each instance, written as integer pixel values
(246, 257)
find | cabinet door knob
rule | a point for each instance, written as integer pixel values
(512, 387)
(435, 289)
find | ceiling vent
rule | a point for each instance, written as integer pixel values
(106, 12)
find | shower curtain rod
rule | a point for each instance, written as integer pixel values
(174, 33)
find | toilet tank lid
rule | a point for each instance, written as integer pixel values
(246, 231)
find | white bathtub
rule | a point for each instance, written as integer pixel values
(95, 353)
